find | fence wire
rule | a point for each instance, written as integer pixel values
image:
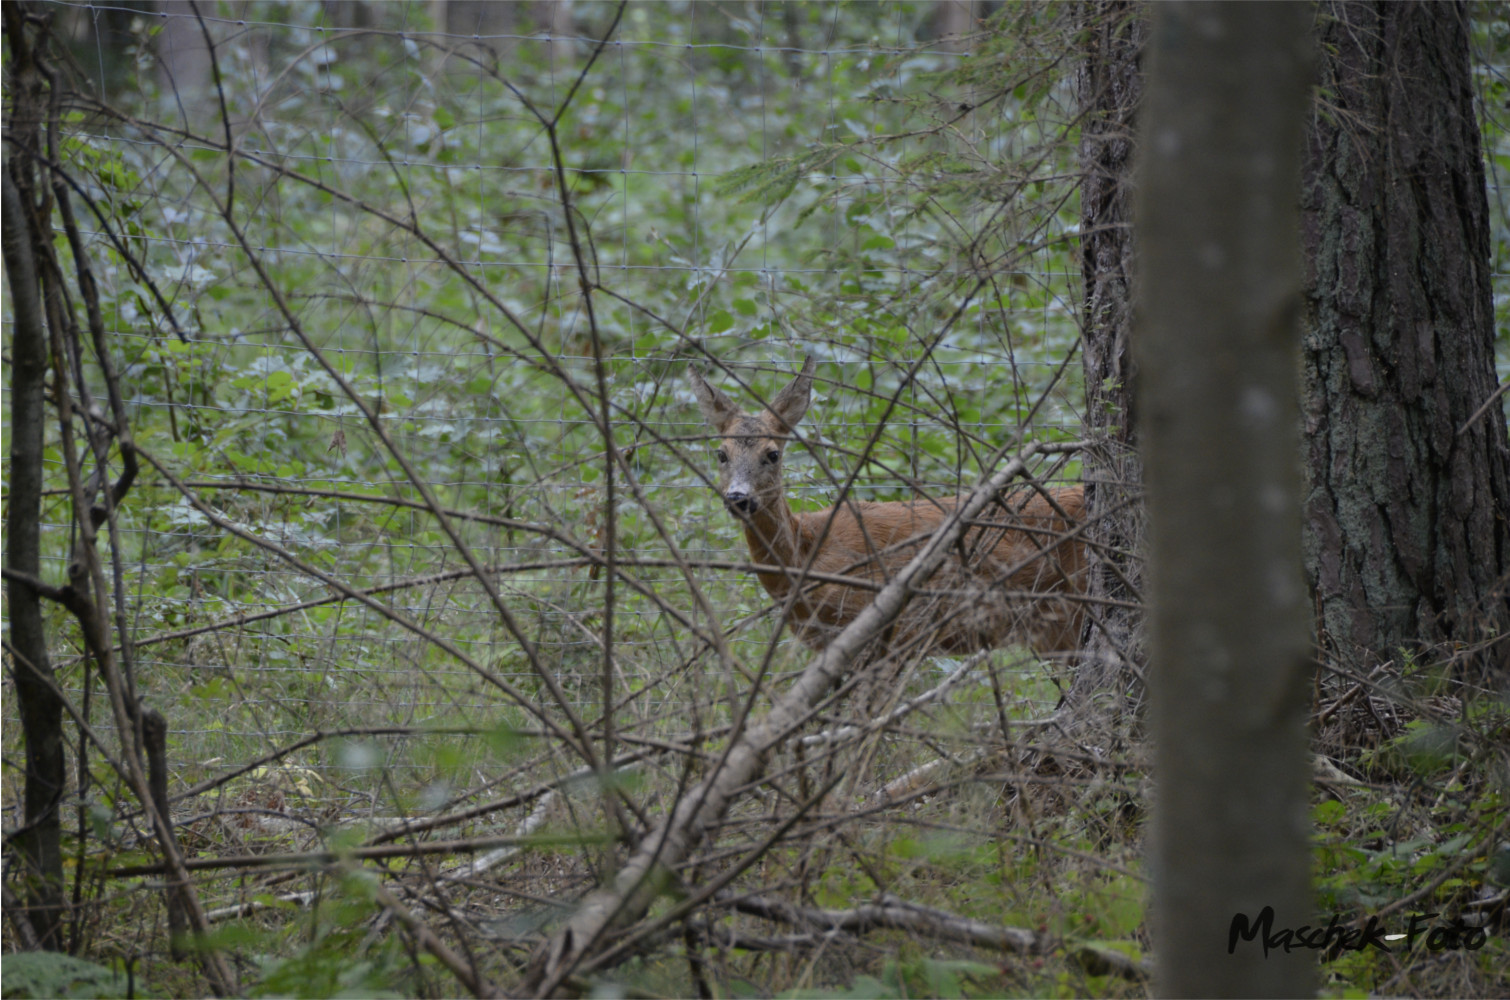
(390, 197)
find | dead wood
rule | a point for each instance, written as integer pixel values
(891, 913)
(572, 947)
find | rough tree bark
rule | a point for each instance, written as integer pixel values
(1408, 502)
(1217, 341)
(39, 841)
(1111, 85)
(41, 194)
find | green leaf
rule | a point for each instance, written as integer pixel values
(1328, 812)
(50, 974)
(504, 739)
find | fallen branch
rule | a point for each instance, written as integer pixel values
(622, 762)
(1100, 960)
(246, 909)
(465, 972)
(304, 859)
(846, 734)
(920, 778)
(476, 866)
(892, 913)
(464, 870)
(647, 871)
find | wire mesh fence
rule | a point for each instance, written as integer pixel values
(402, 303)
(403, 318)
(390, 200)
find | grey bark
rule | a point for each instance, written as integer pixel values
(477, 17)
(39, 842)
(1217, 341)
(954, 21)
(184, 58)
(1408, 503)
(1111, 86)
(87, 595)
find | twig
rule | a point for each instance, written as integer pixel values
(306, 858)
(1463, 859)
(1353, 692)
(916, 780)
(466, 973)
(251, 906)
(393, 615)
(892, 913)
(637, 884)
(475, 867)
(517, 799)
(1505, 385)
(901, 711)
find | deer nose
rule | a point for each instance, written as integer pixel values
(740, 502)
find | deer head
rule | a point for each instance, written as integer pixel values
(749, 456)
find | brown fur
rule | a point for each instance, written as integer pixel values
(1014, 578)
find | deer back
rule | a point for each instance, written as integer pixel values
(1013, 577)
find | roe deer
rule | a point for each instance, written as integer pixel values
(1015, 576)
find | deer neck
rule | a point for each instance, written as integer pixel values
(772, 536)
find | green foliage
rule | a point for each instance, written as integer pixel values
(925, 977)
(1431, 838)
(400, 205)
(1490, 29)
(904, 213)
(41, 974)
(336, 956)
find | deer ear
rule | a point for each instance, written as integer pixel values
(718, 409)
(791, 403)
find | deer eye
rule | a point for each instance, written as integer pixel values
(772, 457)
(723, 457)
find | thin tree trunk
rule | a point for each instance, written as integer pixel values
(1111, 86)
(1230, 640)
(953, 22)
(87, 594)
(1408, 503)
(647, 873)
(40, 840)
(41, 712)
(155, 742)
(184, 59)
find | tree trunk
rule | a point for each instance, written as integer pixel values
(185, 63)
(1408, 502)
(39, 842)
(953, 22)
(1230, 637)
(478, 17)
(1111, 85)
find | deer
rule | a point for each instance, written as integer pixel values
(1018, 574)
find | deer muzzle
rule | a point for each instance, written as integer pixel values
(741, 503)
